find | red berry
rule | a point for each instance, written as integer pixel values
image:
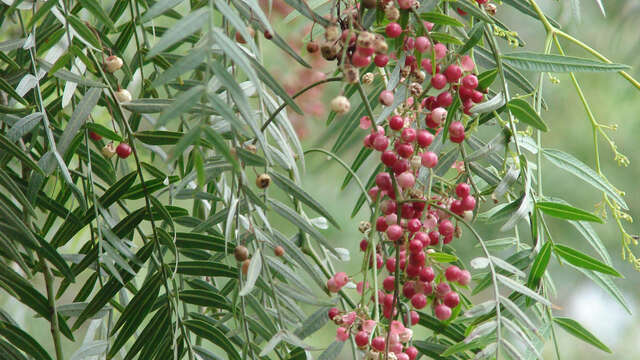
(408, 289)
(417, 259)
(364, 244)
(463, 190)
(333, 312)
(477, 96)
(470, 81)
(413, 270)
(456, 129)
(411, 351)
(409, 135)
(415, 318)
(442, 312)
(456, 139)
(400, 166)
(453, 73)
(394, 232)
(381, 60)
(444, 99)
(451, 299)
(423, 238)
(452, 273)
(378, 343)
(442, 289)
(415, 246)
(94, 136)
(434, 236)
(388, 158)
(424, 138)
(456, 207)
(365, 51)
(438, 81)
(405, 150)
(419, 301)
(427, 274)
(391, 264)
(429, 159)
(393, 30)
(381, 224)
(413, 225)
(362, 338)
(445, 227)
(387, 300)
(422, 44)
(383, 180)
(381, 143)
(465, 92)
(396, 122)
(389, 283)
(123, 150)
(468, 203)
(360, 61)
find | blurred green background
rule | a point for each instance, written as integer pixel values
(613, 100)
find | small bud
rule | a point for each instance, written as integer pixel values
(490, 8)
(420, 76)
(328, 51)
(268, 35)
(392, 13)
(123, 95)
(340, 104)
(351, 74)
(332, 33)
(108, 150)
(366, 39)
(263, 180)
(380, 45)
(367, 78)
(251, 148)
(364, 226)
(415, 88)
(113, 64)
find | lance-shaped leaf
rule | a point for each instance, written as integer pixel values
(584, 261)
(567, 212)
(525, 113)
(529, 61)
(574, 328)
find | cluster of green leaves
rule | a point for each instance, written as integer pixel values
(141, 249)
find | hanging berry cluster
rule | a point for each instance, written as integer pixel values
(415, 217)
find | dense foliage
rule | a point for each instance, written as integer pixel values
(146, 155)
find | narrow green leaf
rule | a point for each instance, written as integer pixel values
(518, 287)
(255, 268)
(569, 163)
(222, 147)
(182, 104)
(440, 19)
(302, 223)
(574, 328)
(193, 59)
(23, 341)
(567, 212)
(14, 150)
(96, 10)
(211, 333)
(206, 268)
(443, 257)
(539, 265)
(525, 113)
(445, 38)
(538, 62)
(291, 188)
(158, 9)
(103, 131)
(584, 261)
(83, 30)
(180, 30)
(205, 298)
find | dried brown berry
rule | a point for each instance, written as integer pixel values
(278, 251)
(241, 253)
(245, 266)
(263, 180)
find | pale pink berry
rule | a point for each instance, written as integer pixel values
(394, 232)
(332, 286)
(439, 115)
(342, 334)
(405, 4)
(464, 278)
(442, 312)
(467, 63)
(406, 180)
(341, 279)
(386, 97)
(440, 50)
(422, 44)
(429, 159)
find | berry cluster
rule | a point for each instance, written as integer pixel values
(413, 219)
